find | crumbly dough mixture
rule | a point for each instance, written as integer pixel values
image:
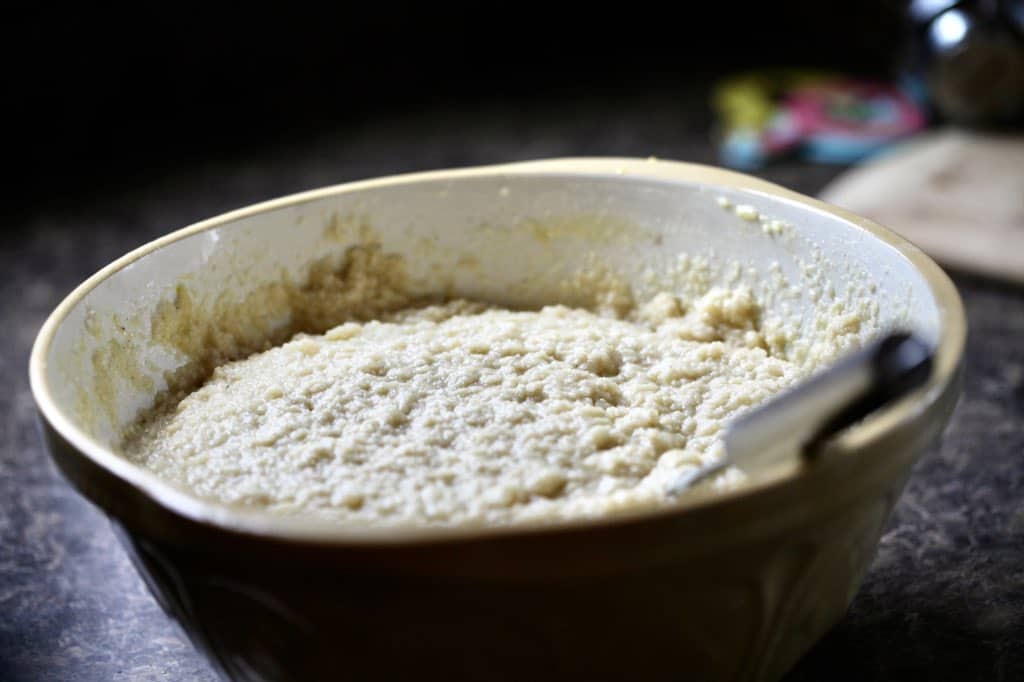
(463, 414)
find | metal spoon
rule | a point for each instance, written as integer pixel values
(797, 422)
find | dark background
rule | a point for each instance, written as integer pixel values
(123, 126)
(98, 97)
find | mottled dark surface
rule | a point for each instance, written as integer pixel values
(944, 599)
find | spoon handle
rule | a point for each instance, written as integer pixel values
(804, 417)
(801, 419)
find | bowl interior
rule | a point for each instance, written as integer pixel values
(514, 235)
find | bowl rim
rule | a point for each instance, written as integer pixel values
(948, 354)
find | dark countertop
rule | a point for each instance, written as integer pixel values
(943, 601)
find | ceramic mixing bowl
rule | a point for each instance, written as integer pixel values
(735, 586)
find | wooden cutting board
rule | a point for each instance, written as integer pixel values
(956, 194)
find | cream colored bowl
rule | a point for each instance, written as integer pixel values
(728, 587)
